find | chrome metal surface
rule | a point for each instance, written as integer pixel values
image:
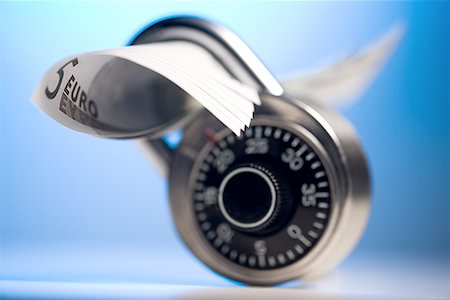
(223, 44)
(232, 54)
(332, 138)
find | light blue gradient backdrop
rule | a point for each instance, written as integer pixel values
(61, 190)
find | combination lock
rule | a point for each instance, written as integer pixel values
(287, 198)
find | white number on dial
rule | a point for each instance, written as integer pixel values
(294, 232)
(210, 195)
(309, 195)
(225, 232)
(292, 158)
(257, 146)
(223, 160)
(260, 247)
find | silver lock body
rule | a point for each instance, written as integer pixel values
(333, 139)
(262, 189)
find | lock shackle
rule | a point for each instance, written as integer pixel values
(225, 46)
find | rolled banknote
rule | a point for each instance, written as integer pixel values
(142, 89)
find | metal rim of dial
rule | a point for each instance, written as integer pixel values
(349, 207)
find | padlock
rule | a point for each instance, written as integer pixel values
(288, 198)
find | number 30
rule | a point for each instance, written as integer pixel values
(293, 159)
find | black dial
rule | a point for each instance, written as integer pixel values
(262, 200)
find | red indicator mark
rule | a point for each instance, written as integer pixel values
(211, 136)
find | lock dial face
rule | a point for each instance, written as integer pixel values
(262, 200)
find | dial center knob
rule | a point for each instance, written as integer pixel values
(247, 197)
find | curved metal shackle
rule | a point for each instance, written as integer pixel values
(226, 48)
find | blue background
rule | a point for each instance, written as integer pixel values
(74, 206)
